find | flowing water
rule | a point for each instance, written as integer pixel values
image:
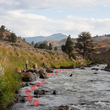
(85, 91)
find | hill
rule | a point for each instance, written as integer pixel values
(58, 43)
(100, 38)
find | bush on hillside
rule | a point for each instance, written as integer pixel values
(12, 37)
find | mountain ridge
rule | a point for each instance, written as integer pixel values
(37, 39)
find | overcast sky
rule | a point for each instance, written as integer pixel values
(28, 18)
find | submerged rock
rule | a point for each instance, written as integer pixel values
(62, 107)
(40, 92)
(95, 69)
(95, 73)
(82, 68)
(107, 68)
(72, 75)
(55, 92)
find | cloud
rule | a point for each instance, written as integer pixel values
(48, 4)
(28, 25)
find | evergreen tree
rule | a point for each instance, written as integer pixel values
(12, 38)
(2, 28)
(24, 39)
(84, 44)
(36, 45)
(50, 46)
(32, 42)
(55, 48)
(68, 48)
(43, 46)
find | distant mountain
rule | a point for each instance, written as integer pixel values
(37, 39)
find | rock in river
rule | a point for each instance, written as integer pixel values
(62, 107)
(28, 76)
(43, 74)
(40, 92)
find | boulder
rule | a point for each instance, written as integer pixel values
(28, 77)
(107, 68)
(19, 70)
(55, 92)
(72, 75)
(44, 66)
(62, 107)
(49, 70)
(95, 69)
(20, 99)
(55, 67)
(95, 73)
(67, 67)
(37, 96)
(39, 92)
(27, 84)
(43, 74)
(82, 68)
(35, 66)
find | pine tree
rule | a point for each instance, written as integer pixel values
(32, 42)
(2, 28)
(68, 48)
(55, 48)
(12, 37)
(84, 44)
(36, 45)
(43, 46)
(50, 46)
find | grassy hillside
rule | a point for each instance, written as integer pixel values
(11, 59)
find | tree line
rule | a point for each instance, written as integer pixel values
(44, 46)
(83, 46)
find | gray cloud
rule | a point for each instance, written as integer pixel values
(48, 4)
(32, 25)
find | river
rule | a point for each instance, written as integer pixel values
(84, 91)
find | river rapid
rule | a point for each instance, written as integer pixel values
(84, 91)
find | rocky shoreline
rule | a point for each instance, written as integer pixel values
(30, 75)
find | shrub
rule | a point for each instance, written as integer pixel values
(12, 37)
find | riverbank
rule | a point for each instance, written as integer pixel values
(10, 60)
(84, 91)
